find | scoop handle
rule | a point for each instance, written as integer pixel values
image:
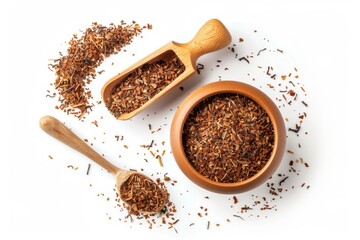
(212, 36)
(56, 129)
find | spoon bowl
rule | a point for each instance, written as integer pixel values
(56, 129)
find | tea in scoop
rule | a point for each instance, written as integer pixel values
(140, 85)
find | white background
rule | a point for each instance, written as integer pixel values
(43, 198)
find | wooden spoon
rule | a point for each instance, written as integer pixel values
(56, 129)
(211, 37)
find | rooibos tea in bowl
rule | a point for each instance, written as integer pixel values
(228, 137)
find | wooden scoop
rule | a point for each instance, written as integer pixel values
(211, 37)
(56, 129)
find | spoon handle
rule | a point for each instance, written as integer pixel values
(56, 129)
(212, 36)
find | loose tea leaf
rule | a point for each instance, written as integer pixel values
(143, 195)
(261, 51)
(88, 169)
(143, 84)
(245, 59)
(228, 138)
(75, 70)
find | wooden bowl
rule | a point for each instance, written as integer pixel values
(227, 87)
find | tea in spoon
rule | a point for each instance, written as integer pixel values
(140, 193)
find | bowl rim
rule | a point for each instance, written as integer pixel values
(211, 89)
